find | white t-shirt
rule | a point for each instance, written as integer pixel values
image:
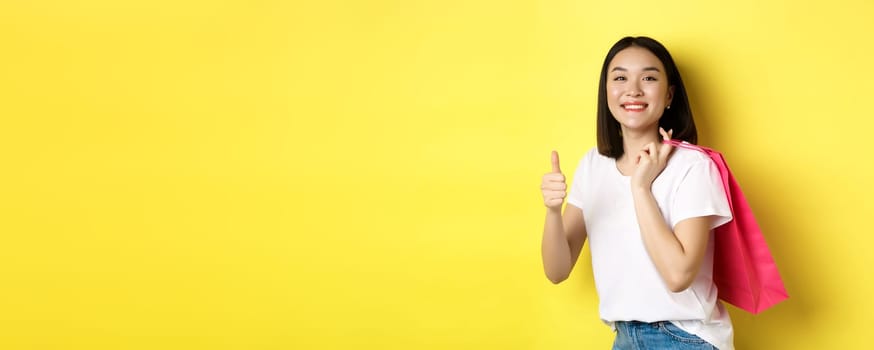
(628, 284)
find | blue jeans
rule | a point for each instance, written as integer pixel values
(634, 335)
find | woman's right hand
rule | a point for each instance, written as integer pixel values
(554, 187)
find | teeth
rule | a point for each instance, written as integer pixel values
(635, 106)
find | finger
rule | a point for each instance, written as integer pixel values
(555, 195)
(555, 167)
(665, 135)
(643, 157)
(651, 150)
(554, 186)
(665, 152)
(554, 177)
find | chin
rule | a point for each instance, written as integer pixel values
(639, 126)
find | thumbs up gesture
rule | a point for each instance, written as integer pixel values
(554, 187)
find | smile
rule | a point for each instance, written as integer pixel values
(634, 107)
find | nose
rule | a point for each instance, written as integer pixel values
(634, 91)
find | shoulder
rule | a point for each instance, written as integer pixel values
(685, 158)
(591, 154)
(685, 161)
(593, 159)
(590, 163)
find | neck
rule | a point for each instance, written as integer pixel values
(633, 141)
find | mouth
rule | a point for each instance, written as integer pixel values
(634, 106)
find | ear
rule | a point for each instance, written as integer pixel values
(670, 95)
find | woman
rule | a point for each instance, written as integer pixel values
(647, 209)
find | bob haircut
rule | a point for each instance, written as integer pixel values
(678, 117)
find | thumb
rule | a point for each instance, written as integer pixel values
(555, 167)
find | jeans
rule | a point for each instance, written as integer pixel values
(663, 335)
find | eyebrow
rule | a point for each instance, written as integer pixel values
(645, 69)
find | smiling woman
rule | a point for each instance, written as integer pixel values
(647, 210)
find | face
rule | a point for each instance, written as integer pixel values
(637, 89)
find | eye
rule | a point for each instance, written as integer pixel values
(619, 78)
(650, 79)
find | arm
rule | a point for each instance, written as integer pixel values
(563, 236)
(676, 254)
(563, 239)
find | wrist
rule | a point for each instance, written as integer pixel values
(639, 189)
(553, 210)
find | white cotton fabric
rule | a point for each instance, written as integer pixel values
(628, 284)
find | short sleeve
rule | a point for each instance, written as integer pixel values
(575, 197)
(700, 193)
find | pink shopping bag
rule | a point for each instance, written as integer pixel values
(743, 270)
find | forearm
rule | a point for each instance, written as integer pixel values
(671, 259)
(555, 247)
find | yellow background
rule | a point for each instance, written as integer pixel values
(365, 174)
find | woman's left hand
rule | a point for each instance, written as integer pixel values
(651, 160)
